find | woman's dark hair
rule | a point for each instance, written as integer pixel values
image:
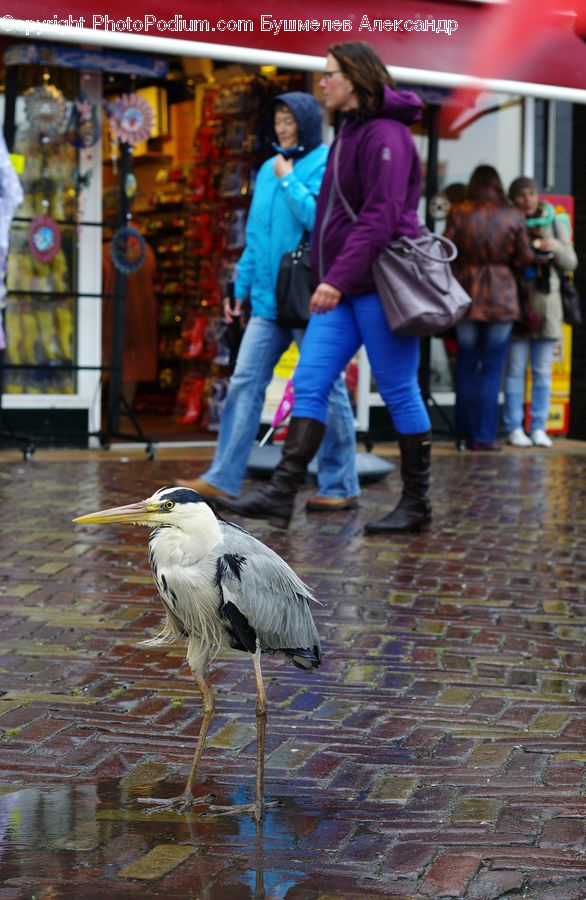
(366, 70)
(485, 182)
(279, 106)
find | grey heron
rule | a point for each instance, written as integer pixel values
(221, 588)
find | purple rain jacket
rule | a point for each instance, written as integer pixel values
(379, 174)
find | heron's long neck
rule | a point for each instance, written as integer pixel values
(174, 547)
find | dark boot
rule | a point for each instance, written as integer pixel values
(413, 511)
(275, 501)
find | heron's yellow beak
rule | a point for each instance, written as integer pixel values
(134, 513)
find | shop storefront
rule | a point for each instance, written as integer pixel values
(194, 177)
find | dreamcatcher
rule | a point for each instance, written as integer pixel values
(44, 238)
(45, 109)
(131, 121)
(128, 249)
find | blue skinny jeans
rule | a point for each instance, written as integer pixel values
(262, 346)
(482, 348)
(333, 338)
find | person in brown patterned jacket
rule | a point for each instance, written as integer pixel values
(492, 242)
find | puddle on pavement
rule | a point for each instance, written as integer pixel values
(55, 838)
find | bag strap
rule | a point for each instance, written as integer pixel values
(349, 211)
(413, 245)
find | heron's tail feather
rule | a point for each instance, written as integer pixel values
(169, 633)
(305, 659)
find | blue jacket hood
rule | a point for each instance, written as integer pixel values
(308, 116)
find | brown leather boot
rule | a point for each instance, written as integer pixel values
(413, 511)
(275, 501)
(207, 490)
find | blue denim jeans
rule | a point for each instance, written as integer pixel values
(482, 348)
(262, 346)
(540, 352)
(334, 337)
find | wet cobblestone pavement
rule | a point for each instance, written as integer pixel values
(439, 752)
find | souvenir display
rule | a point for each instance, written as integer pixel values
(41, 280)
(195, 224)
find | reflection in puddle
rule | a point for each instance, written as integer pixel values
(57, 837)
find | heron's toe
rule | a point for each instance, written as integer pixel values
(256, 809)
(184, 803)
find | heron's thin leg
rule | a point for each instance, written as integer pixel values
(186, 799)
(261, 727)
(208, 711)
(259, 805)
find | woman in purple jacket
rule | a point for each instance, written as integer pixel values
(374, 167)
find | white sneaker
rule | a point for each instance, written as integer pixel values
(540, 438)
(518, 438)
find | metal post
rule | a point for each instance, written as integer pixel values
(431, 189)
(119, 305)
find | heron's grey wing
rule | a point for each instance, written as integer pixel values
(267, 593)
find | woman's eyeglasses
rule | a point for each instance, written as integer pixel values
(327, 75)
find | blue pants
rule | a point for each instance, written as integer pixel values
(331, 341)
(482, 348)
(262, 346)
(540, 351)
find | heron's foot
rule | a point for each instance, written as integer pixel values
(255, 809)
(184, 803)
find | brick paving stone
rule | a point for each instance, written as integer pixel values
(408, 858)
(449, 875)
(568, 834)
(440, 749)
(494, 884)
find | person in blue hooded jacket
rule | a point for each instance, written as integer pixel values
(282, 208)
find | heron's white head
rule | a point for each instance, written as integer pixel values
(179, 507)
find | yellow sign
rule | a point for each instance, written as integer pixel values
(18, 161)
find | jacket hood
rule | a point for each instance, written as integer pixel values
(405, 106)
(308, 116)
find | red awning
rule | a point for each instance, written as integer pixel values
(450, 39)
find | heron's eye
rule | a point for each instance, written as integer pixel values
(169, 504)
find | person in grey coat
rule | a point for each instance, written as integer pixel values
(552, 243)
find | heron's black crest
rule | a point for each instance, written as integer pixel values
(183, 495)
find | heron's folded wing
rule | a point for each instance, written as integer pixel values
(266, 591)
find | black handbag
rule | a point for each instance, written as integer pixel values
(571, 302)
(414, 280)
(530, 320)
(295, 286)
